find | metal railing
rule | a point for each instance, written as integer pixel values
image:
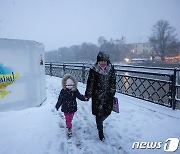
(154, 84)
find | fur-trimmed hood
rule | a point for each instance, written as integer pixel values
(64, 79)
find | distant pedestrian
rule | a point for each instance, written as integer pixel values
(101, 87)
(67, 99)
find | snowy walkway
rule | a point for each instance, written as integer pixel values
(41, 130)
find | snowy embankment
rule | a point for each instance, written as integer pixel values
(41, 130)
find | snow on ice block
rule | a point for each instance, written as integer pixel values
(22, 74)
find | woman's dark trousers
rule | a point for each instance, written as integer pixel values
(99, 123)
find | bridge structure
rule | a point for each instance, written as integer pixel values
(154, 84)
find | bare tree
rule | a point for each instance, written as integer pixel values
(117, 49)
(163, 38)
(101, 40)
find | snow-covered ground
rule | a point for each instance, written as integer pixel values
(41, 130)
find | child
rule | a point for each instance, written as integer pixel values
(67, 98)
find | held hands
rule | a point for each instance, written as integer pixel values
(56, 108)
(86, 99)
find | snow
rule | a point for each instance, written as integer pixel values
(41, 130)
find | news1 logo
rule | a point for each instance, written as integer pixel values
(170, 145)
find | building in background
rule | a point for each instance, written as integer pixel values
(139, 52)
(140, 48)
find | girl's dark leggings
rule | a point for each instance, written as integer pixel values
(99, 121)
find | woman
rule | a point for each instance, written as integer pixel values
(101, 87)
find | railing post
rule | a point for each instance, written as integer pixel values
(174, 90)
(50, 69)
(64, 69)
(83, 73)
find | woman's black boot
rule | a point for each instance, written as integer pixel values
(101, 135)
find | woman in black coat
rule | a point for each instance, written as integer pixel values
(101, 87)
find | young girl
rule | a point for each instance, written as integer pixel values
(67, 99)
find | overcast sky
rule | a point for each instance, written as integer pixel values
(59, 23)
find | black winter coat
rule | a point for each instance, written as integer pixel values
(101, 87)
(67, 98)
